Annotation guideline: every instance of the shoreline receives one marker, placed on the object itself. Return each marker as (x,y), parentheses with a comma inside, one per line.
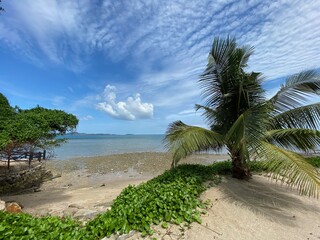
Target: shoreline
(145,162)
(254,209)
(92,183)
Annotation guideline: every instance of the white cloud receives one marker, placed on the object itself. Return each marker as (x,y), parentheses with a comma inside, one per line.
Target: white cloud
(87,118)
(173,87)
(132,109)
(185,114)
(168,41)
(284,33)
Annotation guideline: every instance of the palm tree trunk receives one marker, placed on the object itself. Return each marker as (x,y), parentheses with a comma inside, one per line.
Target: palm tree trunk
(239,169)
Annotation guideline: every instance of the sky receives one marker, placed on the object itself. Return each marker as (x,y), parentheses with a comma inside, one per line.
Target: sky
(132,66)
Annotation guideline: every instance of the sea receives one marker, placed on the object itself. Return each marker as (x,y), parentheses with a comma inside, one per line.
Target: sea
(89,145)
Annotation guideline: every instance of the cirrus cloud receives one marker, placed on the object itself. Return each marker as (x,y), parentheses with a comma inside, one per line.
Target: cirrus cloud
(87,118)
(131,109)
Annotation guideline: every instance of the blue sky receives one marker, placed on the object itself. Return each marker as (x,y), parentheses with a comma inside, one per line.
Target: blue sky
(132,66)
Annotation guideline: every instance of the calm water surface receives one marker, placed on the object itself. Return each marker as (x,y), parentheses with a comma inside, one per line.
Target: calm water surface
(99,145)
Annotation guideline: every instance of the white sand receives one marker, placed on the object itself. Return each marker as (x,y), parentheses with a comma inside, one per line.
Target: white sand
(257,209)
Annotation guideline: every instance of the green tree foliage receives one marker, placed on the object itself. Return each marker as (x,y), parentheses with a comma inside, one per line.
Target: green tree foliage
(6,111)
(241,119)
(26,130)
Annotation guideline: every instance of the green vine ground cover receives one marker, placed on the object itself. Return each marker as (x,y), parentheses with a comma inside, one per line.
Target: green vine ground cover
(172,197)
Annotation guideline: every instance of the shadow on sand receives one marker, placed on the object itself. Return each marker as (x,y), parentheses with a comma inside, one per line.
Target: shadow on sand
(268,198)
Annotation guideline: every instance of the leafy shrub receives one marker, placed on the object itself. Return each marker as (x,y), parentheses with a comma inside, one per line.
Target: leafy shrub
(25,226)
(170,197)
(222,168)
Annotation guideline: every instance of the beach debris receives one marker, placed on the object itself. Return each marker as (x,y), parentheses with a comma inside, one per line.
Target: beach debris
(13,207)
(102,185)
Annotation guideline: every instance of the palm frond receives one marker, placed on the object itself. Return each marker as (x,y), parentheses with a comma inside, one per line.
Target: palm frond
(208,114)
(248,130)
(294,138)
(296,90)
(291,169)
(302,117)
(221,51)
(253,89)
(211,81)
(225,86)
(246,52)
(182,140)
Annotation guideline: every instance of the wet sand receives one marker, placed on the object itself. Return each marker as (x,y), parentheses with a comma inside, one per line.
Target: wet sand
(93,182)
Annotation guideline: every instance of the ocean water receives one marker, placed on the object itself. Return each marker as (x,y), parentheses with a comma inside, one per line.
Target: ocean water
(100,144)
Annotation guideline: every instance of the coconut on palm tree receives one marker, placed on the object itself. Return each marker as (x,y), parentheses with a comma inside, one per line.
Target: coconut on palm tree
(248,125)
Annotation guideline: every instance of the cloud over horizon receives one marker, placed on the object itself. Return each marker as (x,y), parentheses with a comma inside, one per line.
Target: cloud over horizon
(131,109)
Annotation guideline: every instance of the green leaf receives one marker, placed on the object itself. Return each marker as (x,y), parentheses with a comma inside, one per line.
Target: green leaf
(164,225)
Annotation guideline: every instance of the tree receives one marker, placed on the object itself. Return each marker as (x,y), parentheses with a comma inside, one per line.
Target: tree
(27,130)
(250,126)
(6,111)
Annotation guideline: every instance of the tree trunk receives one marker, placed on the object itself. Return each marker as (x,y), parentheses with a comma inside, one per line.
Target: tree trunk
(239,169)
(8,166)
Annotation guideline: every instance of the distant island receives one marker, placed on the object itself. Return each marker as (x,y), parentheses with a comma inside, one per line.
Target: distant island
(81,134)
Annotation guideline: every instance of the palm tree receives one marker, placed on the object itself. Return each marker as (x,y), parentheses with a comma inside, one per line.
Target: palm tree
(248,125)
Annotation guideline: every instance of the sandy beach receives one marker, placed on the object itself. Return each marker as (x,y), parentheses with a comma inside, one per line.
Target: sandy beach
(255,209)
